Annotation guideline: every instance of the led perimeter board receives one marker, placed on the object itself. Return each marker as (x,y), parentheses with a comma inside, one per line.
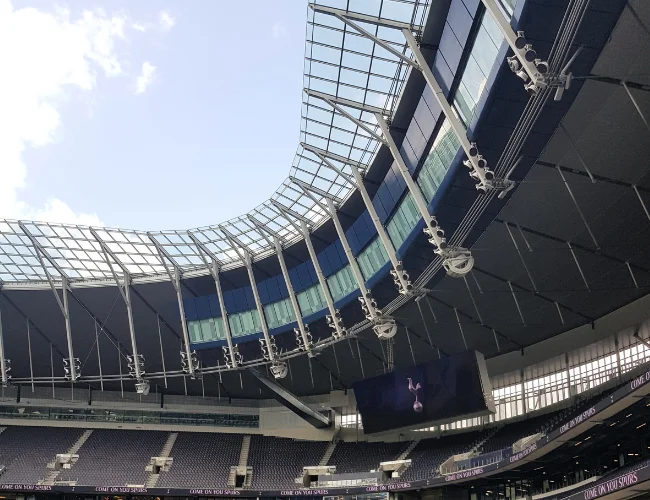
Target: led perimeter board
(442,390)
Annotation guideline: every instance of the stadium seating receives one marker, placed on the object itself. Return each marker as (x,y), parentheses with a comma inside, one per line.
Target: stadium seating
(204,460)
(201,460)
(115,458)
(427,456)
(277,462)
(26,451)
(363,457)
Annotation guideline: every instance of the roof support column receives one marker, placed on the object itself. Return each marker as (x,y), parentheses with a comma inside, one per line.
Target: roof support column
(189,354)
(303,336)
(4,363)
(279,369)
(334,317)
(269,349)
(233,351)
(401,277)
(524,52)
(136,362)
(231,354)
(476,163)
(189,360)
(456,261)
(71,363)
(636,105)
(384,326)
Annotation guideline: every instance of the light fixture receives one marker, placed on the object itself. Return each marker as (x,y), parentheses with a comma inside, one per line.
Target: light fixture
(542,66)
(532,89)
(529,53)
(279,369)
(520,41)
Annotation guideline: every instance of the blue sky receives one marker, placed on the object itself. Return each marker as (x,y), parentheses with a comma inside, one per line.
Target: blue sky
(167,115)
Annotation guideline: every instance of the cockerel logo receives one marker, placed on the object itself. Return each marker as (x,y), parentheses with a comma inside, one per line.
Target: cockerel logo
(417,406)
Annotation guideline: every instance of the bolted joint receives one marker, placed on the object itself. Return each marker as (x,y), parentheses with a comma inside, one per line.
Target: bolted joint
(269,356)
(458,262)
(402,279)
(67,369)
(385,328)
(279,369)
(300,341)
(232,363)
(526,55)
(132,361)
(484,176)
(369,306)
(336,324)
(192,360)
(6,380)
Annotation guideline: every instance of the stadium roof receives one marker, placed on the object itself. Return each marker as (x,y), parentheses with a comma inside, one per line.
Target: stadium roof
(562,252)
(339,61)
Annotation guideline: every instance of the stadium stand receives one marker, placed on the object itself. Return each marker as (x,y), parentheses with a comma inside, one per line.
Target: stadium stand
(277,462)
(363,457)
(115,457)
(427,456)
(201,460)
(26,451)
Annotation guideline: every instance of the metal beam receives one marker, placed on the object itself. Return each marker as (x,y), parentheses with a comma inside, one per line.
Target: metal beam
(575,202)
(334,156)
(270,346)
(332,101)
(245,256)
(335,315)
(291,402)
(303,330)
(63,304)
(480,172)
(512,39)
(636,105)
(125,291)
(3,365)
(365,18)
(354,265)
(401,278)
(434,231)
(175,279)
(235,357)
(344,102)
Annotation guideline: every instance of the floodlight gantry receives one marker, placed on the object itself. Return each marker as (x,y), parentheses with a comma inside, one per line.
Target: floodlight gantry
(125,291)
(231,354)
(279,368)
(334,317)
(383,325)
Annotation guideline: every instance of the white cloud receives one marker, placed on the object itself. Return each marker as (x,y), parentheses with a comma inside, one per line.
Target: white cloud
(278,30)
(166,21)
(140,27)
(145,77)
(46,57)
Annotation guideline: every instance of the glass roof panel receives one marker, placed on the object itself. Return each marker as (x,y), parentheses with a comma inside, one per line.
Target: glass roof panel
(339,61)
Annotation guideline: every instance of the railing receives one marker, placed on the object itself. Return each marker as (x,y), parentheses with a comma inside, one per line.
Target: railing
(129,416)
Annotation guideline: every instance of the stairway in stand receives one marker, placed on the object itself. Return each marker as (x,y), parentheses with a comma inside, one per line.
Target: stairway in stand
(328,453)
(164,453)
(51,476)
(245,448)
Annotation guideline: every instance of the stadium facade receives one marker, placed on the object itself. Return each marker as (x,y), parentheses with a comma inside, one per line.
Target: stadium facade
(470,174)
